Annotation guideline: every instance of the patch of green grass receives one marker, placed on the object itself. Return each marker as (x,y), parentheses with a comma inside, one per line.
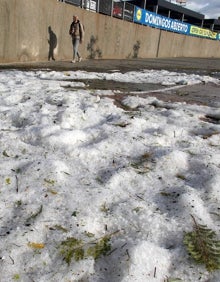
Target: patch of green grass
(77,249)
(16,277)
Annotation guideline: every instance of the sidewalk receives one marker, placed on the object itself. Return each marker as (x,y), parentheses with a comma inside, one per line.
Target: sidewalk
(202,65)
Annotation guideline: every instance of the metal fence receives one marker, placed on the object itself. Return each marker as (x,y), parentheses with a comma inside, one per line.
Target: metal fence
(121,10)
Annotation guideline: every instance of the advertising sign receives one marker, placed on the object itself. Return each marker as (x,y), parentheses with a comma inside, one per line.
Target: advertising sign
(202,32)
(181,1)
(138,15)
(155,20)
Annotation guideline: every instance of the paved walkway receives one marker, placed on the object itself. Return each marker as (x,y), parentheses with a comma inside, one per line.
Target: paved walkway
(202,65)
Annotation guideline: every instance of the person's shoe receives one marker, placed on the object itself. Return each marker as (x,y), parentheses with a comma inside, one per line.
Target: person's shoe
(73,61)
(80,59)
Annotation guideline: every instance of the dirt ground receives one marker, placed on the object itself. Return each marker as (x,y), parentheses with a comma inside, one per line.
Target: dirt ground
(205,94)
(202,94)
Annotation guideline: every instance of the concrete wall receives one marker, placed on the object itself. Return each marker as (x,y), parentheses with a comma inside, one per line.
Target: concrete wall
(27,25)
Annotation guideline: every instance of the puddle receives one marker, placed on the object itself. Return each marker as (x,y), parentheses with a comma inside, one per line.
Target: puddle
(125,87)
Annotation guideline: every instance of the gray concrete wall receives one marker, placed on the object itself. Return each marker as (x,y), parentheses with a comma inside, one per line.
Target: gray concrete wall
(24,35)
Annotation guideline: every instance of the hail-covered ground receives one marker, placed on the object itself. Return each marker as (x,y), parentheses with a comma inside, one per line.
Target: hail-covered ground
(123,183)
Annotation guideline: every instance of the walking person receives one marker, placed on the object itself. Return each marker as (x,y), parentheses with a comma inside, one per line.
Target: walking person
(77,32)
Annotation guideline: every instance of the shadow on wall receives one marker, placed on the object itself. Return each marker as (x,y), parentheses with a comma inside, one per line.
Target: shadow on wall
(52,41)
(93,50)
(136,49)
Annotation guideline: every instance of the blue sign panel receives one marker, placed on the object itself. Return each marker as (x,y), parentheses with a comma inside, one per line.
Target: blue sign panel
(155,20)
(138,15)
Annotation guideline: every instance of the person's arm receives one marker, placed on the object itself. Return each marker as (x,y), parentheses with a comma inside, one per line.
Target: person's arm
(81,32)
(71,30)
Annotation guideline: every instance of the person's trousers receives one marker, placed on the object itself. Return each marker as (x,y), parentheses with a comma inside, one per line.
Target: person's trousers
(76,53)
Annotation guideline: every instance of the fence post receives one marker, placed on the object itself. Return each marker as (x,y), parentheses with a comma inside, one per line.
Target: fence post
(133,13)
(123,12)
(97,8)
(112,8)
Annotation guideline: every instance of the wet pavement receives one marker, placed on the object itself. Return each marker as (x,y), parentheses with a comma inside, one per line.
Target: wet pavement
(200,65)
(205,94)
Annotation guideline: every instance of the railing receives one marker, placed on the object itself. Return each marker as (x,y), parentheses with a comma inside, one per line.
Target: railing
(121,10)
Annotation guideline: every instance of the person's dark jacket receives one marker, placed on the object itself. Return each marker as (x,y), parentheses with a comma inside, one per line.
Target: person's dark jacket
(77,30)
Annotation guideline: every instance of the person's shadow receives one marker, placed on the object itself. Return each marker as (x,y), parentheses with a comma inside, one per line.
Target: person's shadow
(52,41)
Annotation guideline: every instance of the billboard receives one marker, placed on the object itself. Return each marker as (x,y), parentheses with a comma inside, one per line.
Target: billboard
(181,1)
(155,20)
(202,32)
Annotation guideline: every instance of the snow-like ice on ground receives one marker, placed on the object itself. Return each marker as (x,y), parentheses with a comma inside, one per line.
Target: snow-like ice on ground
(74,164)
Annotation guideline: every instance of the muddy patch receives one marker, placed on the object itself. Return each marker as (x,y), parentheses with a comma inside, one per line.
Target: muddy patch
(98,84)
(200,94)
